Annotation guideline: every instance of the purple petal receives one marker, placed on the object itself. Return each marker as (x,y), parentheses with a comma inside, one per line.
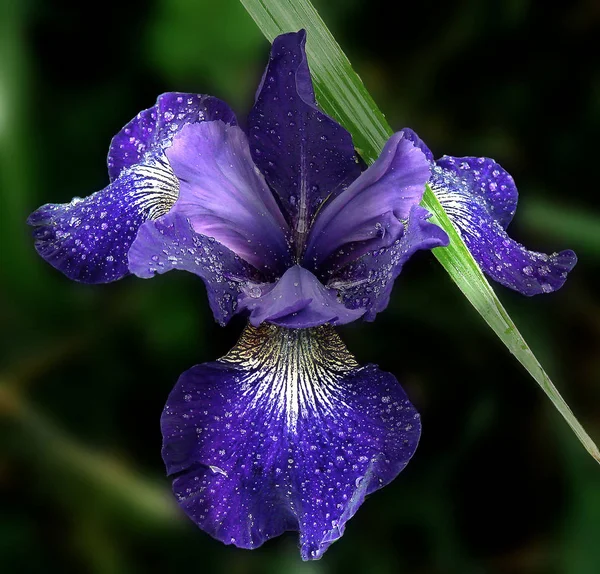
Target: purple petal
(152,130)
(367,283)
(411,135)
(304,155)
(286,432)
(367,215)
(171,243)
(88,239)
(225,197)
(298,300)
(488,181)
(479,221)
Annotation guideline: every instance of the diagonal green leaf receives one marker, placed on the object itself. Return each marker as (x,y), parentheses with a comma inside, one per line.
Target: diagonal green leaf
(341,93)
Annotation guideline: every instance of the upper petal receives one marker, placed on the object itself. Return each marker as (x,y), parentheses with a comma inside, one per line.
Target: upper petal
(304,155)
(479,214)
(286,432)
(88,239)
(367,282)
(152,130)
(224,196)
(297,300)
(367,215)
(171,243)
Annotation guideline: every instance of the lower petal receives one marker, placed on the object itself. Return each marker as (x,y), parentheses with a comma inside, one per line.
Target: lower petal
(286,432)
(502,258)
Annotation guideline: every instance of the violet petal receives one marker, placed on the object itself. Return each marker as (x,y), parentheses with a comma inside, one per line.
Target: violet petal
(360,218)
(152,130)
(88,239)
(479,214)
(224,196)
(367,282)
(304,155)
(297,300)
(286,432)
(171,243)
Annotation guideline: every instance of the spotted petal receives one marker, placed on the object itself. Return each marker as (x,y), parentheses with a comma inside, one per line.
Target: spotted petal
(286,432)
(152,130)
(171,243)
(479,214)
(304,154)
(88,239)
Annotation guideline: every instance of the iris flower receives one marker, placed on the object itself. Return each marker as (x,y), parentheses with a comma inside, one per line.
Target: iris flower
(287,431)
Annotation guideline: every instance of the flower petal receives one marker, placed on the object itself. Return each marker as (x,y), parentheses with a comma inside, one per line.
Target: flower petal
(487,180)
(298,300)
(412,136)
(304,155)
(152,130)
(367,282)
(286,432)
(88,239)
(480,219)
(361,218)
(171,243)
(225,197)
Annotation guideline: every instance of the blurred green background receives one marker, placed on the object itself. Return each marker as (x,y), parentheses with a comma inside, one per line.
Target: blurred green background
(498,484)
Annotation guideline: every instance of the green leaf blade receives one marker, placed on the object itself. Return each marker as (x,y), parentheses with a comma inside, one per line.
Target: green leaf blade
(341,93)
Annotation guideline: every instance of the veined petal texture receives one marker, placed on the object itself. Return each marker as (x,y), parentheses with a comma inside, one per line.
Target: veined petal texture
(286,432)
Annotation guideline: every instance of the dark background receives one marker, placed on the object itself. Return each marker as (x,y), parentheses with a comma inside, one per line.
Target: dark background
(499,484)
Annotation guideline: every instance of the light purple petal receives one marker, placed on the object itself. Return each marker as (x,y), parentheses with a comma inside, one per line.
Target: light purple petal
(225,197)
(152,130)
(488,181)
(171,243)
(88,239)
(304,155)
(367,282)
(367,215)
(502,258)
(298,300)
(286,432)
(412,136)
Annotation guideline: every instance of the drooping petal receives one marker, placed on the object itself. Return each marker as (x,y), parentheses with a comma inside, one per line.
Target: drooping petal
(297,300)
(367,282)
(286,432)
(224,196)
(171,243)
(152,130)
(479,205)
(367,215)
(304,155)
(88,239)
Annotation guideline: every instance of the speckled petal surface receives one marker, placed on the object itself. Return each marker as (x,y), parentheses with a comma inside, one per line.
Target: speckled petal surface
(367,215)
(152,130)
(502,258)
(488,181)
(304,154)
(171,243)
(367,282)
(88,239)
(297,300)
(286,432)
(224,196)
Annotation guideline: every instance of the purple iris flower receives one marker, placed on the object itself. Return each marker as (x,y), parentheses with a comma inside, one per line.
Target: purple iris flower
(480,198)
(287,431)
